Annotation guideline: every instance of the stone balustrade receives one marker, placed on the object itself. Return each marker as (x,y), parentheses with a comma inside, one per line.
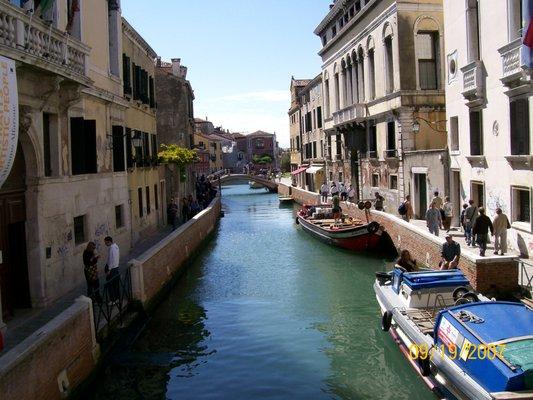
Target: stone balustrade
(349,113)
(34,41)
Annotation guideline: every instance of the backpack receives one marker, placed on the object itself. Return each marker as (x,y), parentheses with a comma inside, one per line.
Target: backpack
(402,209)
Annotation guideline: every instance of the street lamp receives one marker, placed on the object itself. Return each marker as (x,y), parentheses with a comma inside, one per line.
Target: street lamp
(416,126)
(137,140)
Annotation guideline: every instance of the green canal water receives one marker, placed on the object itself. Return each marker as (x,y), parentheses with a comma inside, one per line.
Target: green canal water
(265,312)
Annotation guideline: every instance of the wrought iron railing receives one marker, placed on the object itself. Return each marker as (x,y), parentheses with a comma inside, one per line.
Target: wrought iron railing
(113,301)
(526,280)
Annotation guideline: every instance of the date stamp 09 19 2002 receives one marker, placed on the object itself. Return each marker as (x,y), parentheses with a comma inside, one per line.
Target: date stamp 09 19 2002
(469,351)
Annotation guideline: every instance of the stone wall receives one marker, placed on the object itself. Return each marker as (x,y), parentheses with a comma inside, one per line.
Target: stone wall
(54,360)
(157,266)
(491,275)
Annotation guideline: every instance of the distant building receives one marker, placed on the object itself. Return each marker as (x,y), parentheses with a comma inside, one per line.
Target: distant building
(295,129)
(175,121)
(204,126)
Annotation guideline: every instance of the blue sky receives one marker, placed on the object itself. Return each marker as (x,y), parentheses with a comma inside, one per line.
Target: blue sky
(240,54)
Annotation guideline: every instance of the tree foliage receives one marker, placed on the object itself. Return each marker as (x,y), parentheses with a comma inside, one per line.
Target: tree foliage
(173,154)
(263,159)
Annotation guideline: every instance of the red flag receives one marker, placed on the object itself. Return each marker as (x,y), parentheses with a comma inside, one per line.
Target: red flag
(528,38)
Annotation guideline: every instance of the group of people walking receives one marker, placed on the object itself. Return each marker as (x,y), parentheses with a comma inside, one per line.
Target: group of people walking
(345,192)
(191,205)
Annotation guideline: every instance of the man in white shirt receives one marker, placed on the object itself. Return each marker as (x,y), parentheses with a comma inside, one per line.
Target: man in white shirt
(112,270)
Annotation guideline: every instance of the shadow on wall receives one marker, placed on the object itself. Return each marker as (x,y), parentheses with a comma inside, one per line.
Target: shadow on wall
(522,245)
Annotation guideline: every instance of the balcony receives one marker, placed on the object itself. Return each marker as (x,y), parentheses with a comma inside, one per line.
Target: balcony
(473,83)
(515,73)
(34,42)
(349,114)
(391,157)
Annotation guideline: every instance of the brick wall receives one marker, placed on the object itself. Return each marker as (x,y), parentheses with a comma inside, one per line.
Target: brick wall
(65,347)
(490,275)
(156,267)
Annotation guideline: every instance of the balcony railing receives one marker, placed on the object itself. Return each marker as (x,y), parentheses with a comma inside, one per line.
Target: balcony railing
(513,69)
(33,41)
(473,80)
(371,154)
(349,113)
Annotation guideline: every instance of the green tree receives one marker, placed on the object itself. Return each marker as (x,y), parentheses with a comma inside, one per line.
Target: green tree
(173,154)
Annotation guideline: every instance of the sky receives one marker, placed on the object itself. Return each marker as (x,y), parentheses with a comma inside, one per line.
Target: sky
(240,54)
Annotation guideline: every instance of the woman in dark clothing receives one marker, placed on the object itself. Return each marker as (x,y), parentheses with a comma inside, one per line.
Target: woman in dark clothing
(90,261)
(405,261)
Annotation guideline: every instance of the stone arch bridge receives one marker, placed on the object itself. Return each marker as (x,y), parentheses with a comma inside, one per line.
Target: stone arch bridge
(272,186)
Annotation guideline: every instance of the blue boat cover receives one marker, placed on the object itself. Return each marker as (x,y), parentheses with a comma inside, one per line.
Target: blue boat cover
(424,280)
(484,323)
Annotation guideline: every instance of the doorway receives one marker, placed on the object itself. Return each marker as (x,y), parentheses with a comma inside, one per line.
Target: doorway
(456,197)
(421,203)
(477,190)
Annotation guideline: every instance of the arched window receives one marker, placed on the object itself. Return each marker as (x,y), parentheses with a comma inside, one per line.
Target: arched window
(389,59)
(371,69)
(326,95)
(361,74)
(427,53)
(355,94)
(337,88)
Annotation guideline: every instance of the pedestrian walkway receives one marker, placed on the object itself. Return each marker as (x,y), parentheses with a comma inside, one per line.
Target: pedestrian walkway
(525,275)
(28,321)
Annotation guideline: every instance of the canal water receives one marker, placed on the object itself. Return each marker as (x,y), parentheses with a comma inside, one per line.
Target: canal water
(265,312)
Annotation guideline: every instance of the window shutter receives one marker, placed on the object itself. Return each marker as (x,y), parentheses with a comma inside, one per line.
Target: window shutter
(89,131)
(76,146)
(519,110)
(118,148)
(129,150)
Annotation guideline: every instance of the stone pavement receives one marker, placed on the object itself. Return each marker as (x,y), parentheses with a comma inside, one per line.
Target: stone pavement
(28,321)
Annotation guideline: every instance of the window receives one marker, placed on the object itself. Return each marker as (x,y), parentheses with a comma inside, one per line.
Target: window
(454,133)
(472,30)
(154,146)
(372,141)
(259,144)
(83,146)
(156,197)
(118,148)
(79,230)
(324,40)
(319,117)
(360,76)
(515,19)
(357,6)
(337,93)
(389,67)
(340,177)
(521,204)
(151,93)
(393,182)
(119,216)
(326,100)
(333,31)
(140,200)
(476,133)
(372,74)
(391,139)
(50,145)
(148,210)
(375,180)
(427,43)
(126,70)
(519,126)
(146,148)
(338,142)
(314,150)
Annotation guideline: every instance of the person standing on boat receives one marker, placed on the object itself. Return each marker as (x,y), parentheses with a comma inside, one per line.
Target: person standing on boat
(324,193)
(500,224)
(351,194)
(378,203)
(481,230)
(334,191)
(471,214)
(433,219)
(405,261)
(336,209)
(451,252)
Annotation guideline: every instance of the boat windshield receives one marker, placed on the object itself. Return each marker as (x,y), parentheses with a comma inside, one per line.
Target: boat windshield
(520,354)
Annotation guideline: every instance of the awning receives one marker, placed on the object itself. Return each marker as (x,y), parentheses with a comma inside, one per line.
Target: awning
(299,170)
(313,170)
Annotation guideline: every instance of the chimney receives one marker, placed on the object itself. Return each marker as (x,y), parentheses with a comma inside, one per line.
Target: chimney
(176,63)
(158,63)
(331,6)
(183,72)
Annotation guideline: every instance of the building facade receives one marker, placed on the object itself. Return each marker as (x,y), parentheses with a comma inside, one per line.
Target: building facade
(146,179)
(384,109)
(63,190)
(175,121)
(295,129)
(488,105)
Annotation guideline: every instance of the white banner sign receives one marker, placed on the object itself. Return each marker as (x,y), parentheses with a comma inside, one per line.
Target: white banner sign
(9,117)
